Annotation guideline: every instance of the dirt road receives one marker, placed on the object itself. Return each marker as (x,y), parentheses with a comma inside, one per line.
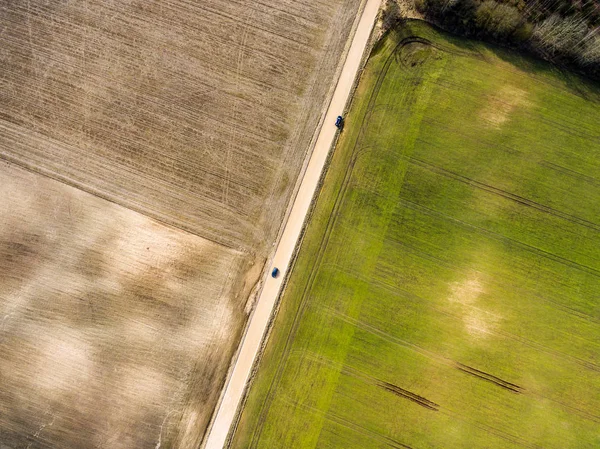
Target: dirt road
(271,288)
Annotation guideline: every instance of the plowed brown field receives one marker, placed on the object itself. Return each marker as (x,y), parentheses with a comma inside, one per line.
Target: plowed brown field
(148,151)
(196,113)
(113,326)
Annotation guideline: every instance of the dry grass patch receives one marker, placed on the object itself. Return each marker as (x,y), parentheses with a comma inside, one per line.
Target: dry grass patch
(501,104)
(467,295)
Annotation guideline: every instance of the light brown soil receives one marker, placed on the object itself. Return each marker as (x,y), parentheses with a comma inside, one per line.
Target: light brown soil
(195,113)
(117,330)
(112,326)
(466,295)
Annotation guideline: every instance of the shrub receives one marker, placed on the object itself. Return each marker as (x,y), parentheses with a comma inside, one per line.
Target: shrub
(421,6)
(497,20)
(391,15)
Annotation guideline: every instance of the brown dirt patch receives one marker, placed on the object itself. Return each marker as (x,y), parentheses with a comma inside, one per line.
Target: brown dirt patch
(116,331)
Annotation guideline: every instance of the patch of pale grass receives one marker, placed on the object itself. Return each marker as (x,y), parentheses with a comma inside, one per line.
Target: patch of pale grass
(501,104)
(467,294)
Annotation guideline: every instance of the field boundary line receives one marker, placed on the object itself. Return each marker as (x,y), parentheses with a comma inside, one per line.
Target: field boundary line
(40,171)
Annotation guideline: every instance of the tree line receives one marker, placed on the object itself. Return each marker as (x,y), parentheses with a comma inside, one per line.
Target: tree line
(562,31)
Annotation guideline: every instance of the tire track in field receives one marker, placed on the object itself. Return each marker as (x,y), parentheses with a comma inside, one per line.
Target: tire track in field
(472,53)
(527,293)
(561,86)
(170,156)
(197,82)
(439,125)
(430,212)
(234,19)
(400,292)
(495,145)
(348,425)
(589,179)
(500,237)
(331,221)
(443,360)
(390,387)
(512,151)
(202,23)
(530,248)
(234,138)
(508,149)
(427,211)
(351,372)
(366,378)
(401,392)
(508,195)
(296,14)
(570,129)
(489,378)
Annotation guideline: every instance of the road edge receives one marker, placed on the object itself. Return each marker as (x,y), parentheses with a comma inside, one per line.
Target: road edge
(213,442)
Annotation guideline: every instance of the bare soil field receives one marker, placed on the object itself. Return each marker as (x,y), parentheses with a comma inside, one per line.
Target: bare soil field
(115,330)
(198,114)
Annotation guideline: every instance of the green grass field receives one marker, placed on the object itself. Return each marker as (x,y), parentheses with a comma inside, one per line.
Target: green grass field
(447,293)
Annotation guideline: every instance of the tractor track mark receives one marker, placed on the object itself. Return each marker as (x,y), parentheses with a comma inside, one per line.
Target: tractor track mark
(575,174)
(335,418)
(540,252)
(508,195)
(436,357)
(489,378)
(401,392)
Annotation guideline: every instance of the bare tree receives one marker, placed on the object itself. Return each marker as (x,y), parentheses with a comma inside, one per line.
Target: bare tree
(560,35)
(590,52)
